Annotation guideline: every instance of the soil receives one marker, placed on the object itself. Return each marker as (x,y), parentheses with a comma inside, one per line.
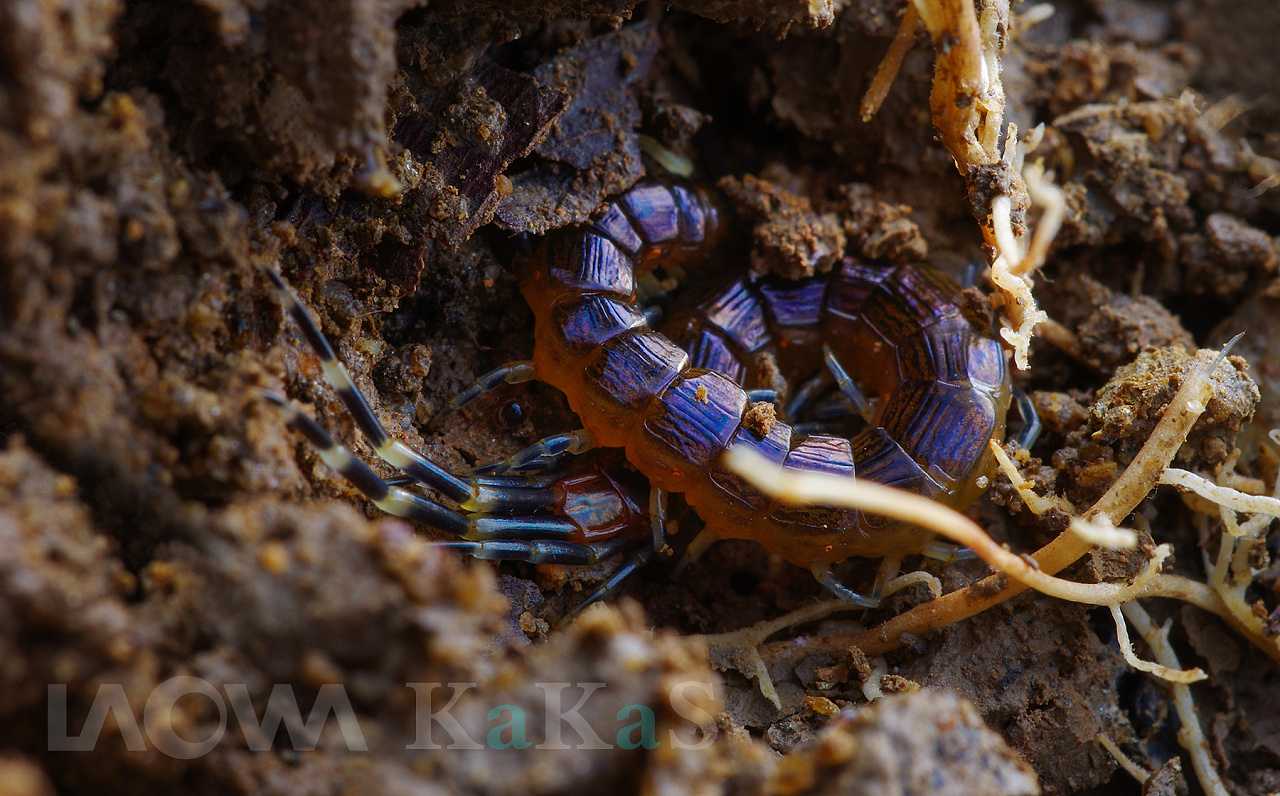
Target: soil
(158,520)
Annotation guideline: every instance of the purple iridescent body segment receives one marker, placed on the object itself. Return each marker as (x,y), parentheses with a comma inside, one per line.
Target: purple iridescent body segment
(900,332)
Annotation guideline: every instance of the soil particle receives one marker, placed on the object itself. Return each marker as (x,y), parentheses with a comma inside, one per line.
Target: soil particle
(1040,677)
(676,125)
(879,230)
(1259,317)
(1113,327)
(1165,173)
(1168,781)
(22,776)
(788,237)
(1130,405)
(59,580)
(293,95)
(926,742)
(1060,412)
(592,152)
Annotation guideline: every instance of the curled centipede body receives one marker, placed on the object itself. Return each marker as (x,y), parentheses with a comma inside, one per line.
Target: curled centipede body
(677,407)
(900,331)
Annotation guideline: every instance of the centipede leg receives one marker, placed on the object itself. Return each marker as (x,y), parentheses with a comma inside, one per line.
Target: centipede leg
(947,553)
(638,559)
(543,455)
(766,394)
(658,518)
(1031,425)
(389,498)
(888,570)
(700,544)
(805,395)
(846,384)
(532,551)
(828,579)
(831,428)
(510,373)
(393,452)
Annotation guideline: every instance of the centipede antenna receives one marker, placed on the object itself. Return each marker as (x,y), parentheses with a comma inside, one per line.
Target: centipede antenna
(393,452)
(828,579)
(1031,425)
(391,499)
(846,384)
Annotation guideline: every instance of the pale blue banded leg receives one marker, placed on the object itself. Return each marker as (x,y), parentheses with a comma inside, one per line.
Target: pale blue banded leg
(510,373)
(828,579)
(543,455)
(638,559)
(1031,425)
(946,552)
(391,499)
(834,428)
(971,274)
(532,551)
(536,539)
(544,527)
(802,397)
(888,570)
(658,518)
(846,385)
(834,406)
(393,452)
(700,544)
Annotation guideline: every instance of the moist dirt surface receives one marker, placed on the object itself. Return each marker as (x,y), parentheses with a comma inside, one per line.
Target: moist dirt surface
(176,564)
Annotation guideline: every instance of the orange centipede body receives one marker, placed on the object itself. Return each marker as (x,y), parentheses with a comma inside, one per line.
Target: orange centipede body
(676,406)
(900,331)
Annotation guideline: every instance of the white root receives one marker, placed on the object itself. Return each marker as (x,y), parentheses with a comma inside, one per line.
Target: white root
(1163,672)
(1099,531)
(820,488)
(1136,771)
(1191,736)
(1225,496)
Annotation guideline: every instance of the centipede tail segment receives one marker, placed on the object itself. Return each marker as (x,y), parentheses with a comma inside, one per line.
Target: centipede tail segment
(900,332)
(583,515)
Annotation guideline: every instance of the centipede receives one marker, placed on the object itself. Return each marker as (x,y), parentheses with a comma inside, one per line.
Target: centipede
(673,399)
